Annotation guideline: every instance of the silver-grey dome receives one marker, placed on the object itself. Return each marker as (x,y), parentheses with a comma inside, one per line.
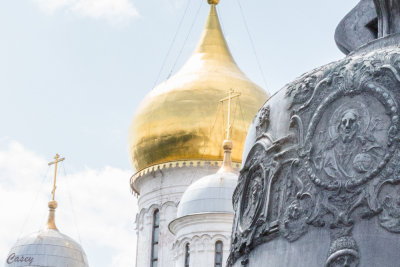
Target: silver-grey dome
(212,193)
(46,248)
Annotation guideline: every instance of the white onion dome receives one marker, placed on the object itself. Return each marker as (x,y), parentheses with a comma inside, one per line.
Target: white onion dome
(212,193)
(47,248)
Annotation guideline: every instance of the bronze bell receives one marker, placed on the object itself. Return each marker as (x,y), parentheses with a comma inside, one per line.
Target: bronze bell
(320,184)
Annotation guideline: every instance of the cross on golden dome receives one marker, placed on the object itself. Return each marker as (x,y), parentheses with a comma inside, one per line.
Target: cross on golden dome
(231,95)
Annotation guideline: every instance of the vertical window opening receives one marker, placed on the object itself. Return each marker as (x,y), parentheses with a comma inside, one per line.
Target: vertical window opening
(218,253)
(187,255)
(154,239)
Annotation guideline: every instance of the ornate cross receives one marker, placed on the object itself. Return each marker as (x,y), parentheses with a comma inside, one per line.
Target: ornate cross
(57,160)
(231,94)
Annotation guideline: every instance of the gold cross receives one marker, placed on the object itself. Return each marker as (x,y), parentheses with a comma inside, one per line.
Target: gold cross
(231,95)
(57,160)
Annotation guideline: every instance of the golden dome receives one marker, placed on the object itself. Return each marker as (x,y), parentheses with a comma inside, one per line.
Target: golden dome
(177,120)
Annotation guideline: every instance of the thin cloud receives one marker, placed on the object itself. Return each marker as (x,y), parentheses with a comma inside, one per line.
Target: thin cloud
(95,206)
(114,11)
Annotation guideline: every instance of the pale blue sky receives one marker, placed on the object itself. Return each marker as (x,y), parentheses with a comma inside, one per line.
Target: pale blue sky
(71,82)
(72,73)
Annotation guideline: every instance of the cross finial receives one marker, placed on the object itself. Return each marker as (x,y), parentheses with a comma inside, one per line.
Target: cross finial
(231,94)
(57,160)
(227,144)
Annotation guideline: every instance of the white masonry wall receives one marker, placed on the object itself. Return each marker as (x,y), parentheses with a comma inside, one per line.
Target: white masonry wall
(201,232)
(162,190)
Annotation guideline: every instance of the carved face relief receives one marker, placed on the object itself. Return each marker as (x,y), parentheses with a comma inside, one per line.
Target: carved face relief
(343,253)
(263,121)
(348,126)
(346,260)
(294,211)
(350,140)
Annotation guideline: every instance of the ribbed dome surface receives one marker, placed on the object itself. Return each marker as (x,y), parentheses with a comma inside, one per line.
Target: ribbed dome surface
(212,193)
(46,248)
(177,120)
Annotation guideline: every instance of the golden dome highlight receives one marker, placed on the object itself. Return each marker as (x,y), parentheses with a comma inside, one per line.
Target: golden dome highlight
(213,2)
(177,119)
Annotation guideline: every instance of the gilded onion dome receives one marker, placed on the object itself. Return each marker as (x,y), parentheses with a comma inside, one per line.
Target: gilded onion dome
(177,119)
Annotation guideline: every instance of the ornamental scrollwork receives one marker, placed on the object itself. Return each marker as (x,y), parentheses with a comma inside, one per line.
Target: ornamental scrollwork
(337,164)
(294,221)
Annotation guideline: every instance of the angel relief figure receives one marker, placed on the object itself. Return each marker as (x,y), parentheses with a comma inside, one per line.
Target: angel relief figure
(350,149)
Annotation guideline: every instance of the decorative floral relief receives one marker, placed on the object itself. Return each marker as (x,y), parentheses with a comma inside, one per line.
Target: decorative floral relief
(294,221)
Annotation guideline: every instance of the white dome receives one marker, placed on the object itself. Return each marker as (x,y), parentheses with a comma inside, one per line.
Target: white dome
(46,248)
(212,193)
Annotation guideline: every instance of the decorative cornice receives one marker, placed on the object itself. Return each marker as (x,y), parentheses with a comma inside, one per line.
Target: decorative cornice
(197,218)
(176,164)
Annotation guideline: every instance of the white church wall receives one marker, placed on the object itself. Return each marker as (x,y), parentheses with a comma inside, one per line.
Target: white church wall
(201,232)
(144,230)
(162,190)
(168,212)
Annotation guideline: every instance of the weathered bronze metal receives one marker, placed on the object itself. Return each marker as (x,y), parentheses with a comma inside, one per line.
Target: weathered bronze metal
(369,20)
(320,184)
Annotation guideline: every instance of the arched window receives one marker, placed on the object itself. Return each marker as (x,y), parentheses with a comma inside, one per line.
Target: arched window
(218,253)
(187,255)
(154,239)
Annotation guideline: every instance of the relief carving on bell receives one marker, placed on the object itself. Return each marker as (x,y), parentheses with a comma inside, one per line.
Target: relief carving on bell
(336,165)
